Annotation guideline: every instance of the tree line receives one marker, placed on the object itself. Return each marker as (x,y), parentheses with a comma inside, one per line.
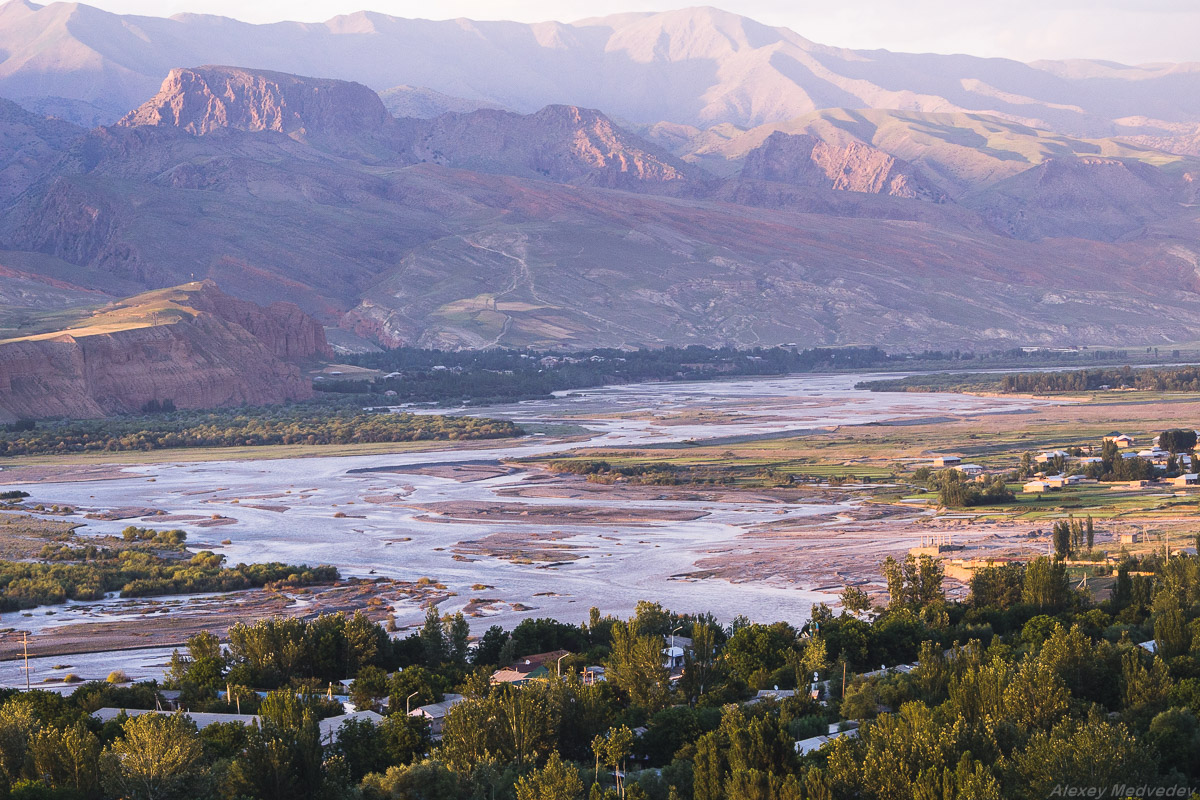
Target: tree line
(306,424)
(1158,379)
(1026,684)
(416,375)
(89,572)
(499,375)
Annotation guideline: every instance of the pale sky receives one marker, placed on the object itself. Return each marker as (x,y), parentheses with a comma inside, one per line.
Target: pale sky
(1129,31)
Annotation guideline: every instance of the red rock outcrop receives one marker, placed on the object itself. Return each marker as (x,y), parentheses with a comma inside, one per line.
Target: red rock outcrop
(804,160)
(567,144)
(214,351)
(288,332)
(203,99)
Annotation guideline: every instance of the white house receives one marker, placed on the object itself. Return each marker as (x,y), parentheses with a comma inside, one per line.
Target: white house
(202,719)
(436,712)
(947,461)
(1059,481)
(806,746)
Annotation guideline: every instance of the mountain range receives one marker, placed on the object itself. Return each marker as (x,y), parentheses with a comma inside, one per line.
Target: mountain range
(645,179)
(697,66)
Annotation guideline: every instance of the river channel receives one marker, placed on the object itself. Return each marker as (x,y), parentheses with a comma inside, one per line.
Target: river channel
(388,528)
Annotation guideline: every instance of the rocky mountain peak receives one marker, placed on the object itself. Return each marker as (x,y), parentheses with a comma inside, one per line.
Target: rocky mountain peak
(203,99)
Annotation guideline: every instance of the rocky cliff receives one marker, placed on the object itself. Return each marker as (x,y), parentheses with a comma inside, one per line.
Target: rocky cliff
(560,143)
(803,160)
(192,345)
(203,99)
(341,116)
(566,144)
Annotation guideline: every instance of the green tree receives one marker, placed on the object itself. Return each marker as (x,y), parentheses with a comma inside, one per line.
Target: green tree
(404,738)
(1061,534)
(855,600)
(555,781)
(618,747)
(1172,636)
(1177,441)
(1174,736)
(426,780)
(997,586)
(458,634)
(915,582)
(433,638)
(413,679)
(158,756)
(759,650)
(527,719)
(18,724)
(635,666)
(360,744)
(1046,584)
(368,687)
(699,662)
(67,758)
(1083,754)
(468,733)
(282,759)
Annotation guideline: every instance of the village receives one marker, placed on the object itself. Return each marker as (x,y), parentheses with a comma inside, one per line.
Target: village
(1055,481)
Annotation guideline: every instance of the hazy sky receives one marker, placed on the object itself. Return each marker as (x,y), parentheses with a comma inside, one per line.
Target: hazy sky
(1130,31)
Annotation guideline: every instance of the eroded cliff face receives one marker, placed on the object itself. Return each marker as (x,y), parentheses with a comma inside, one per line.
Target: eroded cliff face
(286,331)
(204,99)
(804,160)
(566,144)
(214,351)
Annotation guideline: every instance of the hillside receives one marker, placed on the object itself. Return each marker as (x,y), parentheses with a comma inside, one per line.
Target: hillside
(960,152)
(561,143)
(565,144)
(192,345)
(561,228)
(419,102)
(434,255)
(28,145)
(697,66)
(804,160)
(1089,197)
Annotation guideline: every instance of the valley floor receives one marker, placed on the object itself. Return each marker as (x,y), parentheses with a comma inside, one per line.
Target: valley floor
(486,528)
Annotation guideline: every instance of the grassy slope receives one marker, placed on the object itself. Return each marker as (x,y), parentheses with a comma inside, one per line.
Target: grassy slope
(159,307)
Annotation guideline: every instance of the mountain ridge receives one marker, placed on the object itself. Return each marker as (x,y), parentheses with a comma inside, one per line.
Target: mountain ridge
(561,228)
(699,66)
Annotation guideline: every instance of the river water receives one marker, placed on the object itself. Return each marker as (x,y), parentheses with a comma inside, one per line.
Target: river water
(625,562)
